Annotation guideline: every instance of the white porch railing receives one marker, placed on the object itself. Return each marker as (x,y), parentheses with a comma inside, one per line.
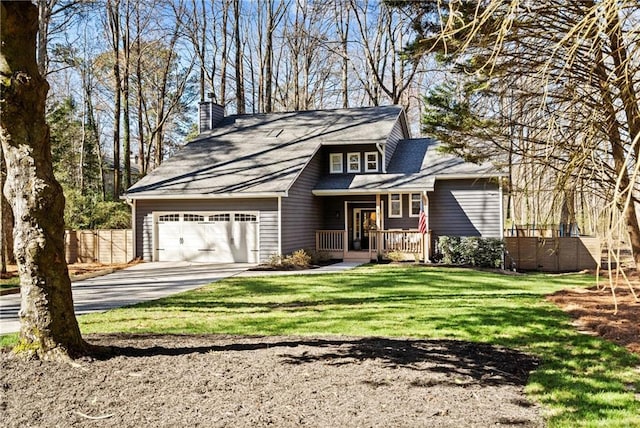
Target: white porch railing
(403,241)
(330,240)
(380,242)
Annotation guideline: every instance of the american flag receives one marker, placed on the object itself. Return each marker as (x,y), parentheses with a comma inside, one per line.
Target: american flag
(422,221)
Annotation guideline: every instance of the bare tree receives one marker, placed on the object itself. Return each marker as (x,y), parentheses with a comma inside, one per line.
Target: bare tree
(387,70)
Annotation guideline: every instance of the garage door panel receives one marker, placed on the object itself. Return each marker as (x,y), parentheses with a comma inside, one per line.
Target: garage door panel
(219,250)
(169,238)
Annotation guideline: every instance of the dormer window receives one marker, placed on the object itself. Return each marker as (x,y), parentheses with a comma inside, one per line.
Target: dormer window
(335,163)
(353,165)
(371,164)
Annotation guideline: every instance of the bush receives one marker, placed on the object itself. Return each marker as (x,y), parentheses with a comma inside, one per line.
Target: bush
(472,251)
(298,260)
(395,256)
(319,257)
(111,215)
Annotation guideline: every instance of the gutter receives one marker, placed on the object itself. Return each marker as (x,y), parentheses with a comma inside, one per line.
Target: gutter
(183,196)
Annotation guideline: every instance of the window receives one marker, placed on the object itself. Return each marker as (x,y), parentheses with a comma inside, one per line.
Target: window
(220,217)
(193,217)
(244,217)
(371,162)
(353,164)
(395,205)
(169,217)
(415,205)
(335,161)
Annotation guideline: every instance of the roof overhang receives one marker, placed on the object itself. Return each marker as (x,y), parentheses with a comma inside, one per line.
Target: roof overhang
(345,192)
(471,176)
(185,196)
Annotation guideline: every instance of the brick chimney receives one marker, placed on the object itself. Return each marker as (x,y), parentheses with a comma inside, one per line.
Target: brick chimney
(210,115)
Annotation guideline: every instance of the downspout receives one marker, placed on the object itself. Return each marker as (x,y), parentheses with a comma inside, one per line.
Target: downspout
(132,204)
(279,225)
(427,243)
(501,208)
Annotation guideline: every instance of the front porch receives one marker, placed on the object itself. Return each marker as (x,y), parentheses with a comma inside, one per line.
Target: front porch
(411,245)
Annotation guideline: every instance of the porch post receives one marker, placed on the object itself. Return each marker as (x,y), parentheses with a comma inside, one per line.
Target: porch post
(345,242)
(379,214)
(426,245)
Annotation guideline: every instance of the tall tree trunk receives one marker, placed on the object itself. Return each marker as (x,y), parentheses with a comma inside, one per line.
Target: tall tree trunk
(126,49)
(240,101)
(223,65)
(113,11)
(45,8)
(619,156)
(142,164)
(49,328)
(268,66)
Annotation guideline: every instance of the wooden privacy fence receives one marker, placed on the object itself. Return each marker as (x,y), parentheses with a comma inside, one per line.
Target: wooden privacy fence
(99,246)
(564,254)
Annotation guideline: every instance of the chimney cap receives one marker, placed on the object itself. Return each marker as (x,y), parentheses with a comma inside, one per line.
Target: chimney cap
(210,95)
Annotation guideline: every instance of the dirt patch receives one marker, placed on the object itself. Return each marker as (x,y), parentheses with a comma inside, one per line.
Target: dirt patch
(277,381)
(593,311)
(77,269)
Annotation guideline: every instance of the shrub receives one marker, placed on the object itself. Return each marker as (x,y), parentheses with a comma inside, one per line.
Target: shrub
(299,259)
(275,260)
(472,251)
(319,257)
(395,256)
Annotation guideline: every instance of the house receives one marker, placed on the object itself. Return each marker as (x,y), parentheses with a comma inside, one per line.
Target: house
(349,182)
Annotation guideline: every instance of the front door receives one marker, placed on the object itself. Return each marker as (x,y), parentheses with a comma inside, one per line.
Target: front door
(364,224)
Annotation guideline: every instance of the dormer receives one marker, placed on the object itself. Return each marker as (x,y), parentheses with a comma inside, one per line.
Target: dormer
(367,153)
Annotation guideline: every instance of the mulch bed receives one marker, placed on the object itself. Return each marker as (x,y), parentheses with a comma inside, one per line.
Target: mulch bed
(593,311)
(215,381)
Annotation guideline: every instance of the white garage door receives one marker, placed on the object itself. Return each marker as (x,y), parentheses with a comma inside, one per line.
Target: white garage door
(217,237)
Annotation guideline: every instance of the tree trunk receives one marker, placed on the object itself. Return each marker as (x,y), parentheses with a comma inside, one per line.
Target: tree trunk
(142,164)
(49,328)
(126,48)
(240,101)
(3,245)
(113,11)
(268,68)
(223,66)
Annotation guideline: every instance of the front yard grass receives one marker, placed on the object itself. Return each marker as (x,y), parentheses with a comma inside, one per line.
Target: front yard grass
(10,283)
(582,381)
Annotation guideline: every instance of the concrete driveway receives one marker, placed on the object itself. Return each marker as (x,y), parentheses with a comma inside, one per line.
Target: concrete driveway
(142,282)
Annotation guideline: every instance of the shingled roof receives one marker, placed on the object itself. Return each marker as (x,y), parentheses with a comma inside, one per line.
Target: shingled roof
(262,154)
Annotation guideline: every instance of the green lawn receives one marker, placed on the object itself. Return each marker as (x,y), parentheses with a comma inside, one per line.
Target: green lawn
(582,381)
(10,283)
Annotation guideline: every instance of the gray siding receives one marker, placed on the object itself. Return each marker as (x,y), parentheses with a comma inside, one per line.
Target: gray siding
(301,211)
(268,209)
(465,208)
(397,133)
